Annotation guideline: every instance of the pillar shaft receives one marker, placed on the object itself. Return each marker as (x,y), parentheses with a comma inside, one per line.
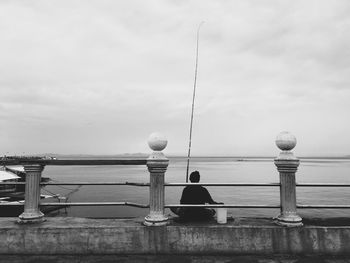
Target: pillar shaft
(32,213)
(287,169)
(157,164)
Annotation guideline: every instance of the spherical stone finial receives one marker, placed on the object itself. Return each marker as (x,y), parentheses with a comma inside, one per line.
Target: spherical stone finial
(286,141)
(157,141)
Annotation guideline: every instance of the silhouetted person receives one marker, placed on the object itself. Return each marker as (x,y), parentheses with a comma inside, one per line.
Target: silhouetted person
(195,195)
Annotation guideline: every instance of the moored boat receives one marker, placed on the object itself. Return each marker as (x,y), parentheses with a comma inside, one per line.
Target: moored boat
(7,177)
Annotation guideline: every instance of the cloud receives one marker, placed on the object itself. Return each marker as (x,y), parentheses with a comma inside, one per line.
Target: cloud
(100,76)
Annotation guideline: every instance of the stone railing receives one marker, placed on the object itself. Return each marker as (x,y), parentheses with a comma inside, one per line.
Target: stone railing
(157,164)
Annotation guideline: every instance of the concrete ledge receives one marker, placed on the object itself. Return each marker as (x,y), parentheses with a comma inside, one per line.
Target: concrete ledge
(129,236)
(174,259)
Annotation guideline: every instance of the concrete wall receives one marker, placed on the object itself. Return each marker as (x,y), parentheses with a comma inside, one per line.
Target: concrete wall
(113,236)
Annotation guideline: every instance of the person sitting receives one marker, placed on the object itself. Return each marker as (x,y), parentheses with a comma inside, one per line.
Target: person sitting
(195,195)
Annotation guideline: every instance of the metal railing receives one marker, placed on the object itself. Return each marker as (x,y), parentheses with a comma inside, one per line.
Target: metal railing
(157,164)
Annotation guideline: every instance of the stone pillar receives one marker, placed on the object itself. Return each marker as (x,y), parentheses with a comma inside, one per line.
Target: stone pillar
(32,212)
(157,164)
(287,165)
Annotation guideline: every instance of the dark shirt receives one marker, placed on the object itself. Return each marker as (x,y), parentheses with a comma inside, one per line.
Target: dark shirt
(196,195)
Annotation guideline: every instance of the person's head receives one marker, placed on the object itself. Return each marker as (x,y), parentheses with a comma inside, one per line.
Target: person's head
(195,177)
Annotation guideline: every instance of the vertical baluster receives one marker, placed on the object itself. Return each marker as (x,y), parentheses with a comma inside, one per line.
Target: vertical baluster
(157,164)
(32,213)
(287,165)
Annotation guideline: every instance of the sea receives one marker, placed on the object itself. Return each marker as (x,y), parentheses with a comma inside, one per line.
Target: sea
(212,170)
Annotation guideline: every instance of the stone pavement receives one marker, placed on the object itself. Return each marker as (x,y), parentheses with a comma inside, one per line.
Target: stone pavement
(173,259)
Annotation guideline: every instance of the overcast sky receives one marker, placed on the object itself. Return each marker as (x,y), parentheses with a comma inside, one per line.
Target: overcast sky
(98,77)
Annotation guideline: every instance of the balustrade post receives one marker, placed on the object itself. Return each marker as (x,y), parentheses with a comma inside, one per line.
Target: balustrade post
(32,213)
(157,164)
(287,165)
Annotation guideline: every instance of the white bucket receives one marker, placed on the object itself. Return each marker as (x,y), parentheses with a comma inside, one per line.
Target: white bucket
(221,215)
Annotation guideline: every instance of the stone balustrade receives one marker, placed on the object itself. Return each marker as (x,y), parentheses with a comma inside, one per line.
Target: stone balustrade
(157,164)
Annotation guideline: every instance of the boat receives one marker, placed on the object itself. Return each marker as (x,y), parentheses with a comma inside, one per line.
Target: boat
(7,177)
(16,205)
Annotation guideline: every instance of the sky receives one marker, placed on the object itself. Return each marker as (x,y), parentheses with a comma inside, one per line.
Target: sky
(98,77)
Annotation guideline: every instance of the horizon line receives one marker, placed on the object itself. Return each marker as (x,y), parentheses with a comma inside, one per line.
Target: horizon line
(343,156)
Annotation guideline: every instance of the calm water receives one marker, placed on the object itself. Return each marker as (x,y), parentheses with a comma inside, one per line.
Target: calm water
(213,170)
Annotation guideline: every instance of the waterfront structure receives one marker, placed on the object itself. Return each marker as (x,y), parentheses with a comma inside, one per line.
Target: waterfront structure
(157,233)
(157,164)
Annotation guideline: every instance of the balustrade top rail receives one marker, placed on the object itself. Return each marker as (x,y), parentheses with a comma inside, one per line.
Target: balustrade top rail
(186,184)
(84,162)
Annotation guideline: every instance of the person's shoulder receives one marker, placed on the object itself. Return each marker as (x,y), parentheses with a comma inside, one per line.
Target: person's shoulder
(185,189)
(188,188)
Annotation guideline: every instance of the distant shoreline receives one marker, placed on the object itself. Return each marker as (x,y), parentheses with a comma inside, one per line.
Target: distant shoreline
(144,155)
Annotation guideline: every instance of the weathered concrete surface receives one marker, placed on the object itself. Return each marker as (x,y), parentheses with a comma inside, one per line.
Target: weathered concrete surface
(129,236)
(173,259)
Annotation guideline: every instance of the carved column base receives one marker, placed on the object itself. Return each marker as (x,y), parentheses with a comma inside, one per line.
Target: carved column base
(31,217)
(289,220)
(156,220)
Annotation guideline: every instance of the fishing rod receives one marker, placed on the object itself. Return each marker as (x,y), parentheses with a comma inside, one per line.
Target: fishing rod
(193,97)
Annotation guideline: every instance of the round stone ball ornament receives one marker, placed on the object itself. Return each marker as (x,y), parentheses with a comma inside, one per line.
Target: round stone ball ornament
(286,141)
(157,141)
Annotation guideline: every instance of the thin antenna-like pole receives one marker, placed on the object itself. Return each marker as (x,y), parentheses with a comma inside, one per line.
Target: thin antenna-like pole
(193,97)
